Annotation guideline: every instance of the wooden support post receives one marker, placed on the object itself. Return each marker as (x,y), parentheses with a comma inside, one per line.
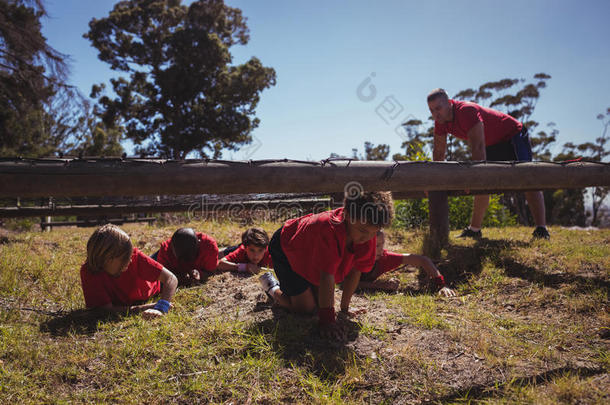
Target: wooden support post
(438,204)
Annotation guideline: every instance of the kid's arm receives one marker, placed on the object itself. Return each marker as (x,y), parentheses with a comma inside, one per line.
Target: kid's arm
(349,286)
(431,270)
(326,293)
(170,283)
(421,262)
(225,265)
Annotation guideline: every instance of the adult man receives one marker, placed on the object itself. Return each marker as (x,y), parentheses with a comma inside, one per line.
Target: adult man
(493,136)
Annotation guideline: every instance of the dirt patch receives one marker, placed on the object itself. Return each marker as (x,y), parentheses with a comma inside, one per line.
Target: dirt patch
(404,362)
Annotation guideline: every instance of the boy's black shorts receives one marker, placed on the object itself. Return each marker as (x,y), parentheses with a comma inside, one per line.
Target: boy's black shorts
(291,283)
(371,275)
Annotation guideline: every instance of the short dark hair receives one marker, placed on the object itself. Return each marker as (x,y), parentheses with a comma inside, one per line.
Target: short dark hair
(185,244)
(373,207)
(255,236)
(437,93)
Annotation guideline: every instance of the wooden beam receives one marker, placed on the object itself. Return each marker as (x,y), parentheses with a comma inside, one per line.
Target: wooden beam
(111,177)
(438,205)
(96,222)
(200,207)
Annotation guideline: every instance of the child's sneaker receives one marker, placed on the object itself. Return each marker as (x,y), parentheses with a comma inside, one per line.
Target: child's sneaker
(269,283)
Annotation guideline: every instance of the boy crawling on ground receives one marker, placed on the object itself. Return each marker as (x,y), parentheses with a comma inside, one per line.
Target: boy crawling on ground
(250,256)
(189,255)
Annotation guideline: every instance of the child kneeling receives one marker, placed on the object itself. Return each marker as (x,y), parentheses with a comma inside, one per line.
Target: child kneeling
(312,253)
(116,276)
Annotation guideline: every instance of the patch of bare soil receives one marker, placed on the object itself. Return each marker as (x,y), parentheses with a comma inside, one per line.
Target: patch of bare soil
(402,363)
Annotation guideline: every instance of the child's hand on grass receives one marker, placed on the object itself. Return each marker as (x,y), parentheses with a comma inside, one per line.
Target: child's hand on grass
(447,292)
(353,313)
(151,314)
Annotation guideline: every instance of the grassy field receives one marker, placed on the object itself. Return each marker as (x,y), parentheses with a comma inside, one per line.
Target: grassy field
(530,325)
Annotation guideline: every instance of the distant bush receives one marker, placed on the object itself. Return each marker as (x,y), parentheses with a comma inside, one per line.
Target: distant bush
(415,214)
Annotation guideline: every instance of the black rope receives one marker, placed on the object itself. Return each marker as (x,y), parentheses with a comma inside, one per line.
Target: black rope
(252,163)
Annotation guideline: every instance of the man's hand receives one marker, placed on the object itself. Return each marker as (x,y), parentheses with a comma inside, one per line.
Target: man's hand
(447,292)
(151,314)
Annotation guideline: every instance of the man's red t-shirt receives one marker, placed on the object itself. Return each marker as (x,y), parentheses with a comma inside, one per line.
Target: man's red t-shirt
(316,242)
(239,255)
(207,258)
(498,127)
(388,262)
(138,283)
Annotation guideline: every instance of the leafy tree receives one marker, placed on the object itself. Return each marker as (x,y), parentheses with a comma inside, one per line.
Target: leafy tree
(182,94)
(32,84)
(371,152)
(379,152)
(95,138)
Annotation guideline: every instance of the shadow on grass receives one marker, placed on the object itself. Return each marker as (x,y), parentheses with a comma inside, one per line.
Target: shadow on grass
(79,322)
(296,338)
(481,392)
(464,261)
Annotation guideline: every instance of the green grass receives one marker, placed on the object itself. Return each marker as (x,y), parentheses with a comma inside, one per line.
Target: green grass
(529,326)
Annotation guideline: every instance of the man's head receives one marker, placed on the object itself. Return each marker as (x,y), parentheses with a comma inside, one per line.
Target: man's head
(439,105)
(366,213)
(109,249)
(255,240)
(185,245)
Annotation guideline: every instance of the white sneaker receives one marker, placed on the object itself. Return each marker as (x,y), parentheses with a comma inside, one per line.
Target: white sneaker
(268,281)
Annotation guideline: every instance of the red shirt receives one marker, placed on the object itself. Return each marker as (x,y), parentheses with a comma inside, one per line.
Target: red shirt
(239,255)
(388,262)
(207,258)
(498,127)
(138,283)
(316,242)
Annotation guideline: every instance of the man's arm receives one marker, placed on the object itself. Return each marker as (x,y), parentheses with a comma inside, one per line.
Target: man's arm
(476,138)
(440,147)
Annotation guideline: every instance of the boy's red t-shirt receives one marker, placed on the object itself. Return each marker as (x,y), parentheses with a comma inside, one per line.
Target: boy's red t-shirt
(138,283)
(207,258)
(388,262)
(239,255)
(316,242)
(498,127)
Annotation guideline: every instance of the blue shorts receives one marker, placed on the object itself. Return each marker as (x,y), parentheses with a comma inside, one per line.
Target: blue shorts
(518,148)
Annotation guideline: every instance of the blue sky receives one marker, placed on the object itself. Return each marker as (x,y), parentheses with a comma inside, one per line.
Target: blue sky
(323,51)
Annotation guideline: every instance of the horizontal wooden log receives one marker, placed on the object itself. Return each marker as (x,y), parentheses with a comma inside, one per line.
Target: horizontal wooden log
(35,178)
(200,207)
(93,222)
